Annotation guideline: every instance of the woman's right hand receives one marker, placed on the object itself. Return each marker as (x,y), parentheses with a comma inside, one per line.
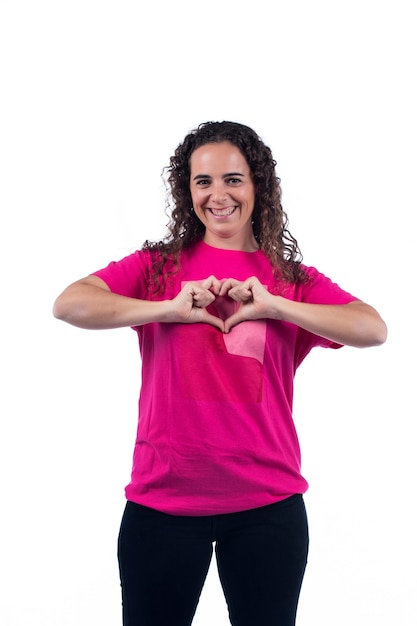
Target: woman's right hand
(190,305)
(89,303)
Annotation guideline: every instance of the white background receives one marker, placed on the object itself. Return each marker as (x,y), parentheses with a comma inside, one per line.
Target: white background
(95,96)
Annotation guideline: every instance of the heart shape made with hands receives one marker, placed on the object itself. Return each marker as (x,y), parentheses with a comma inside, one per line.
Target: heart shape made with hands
(222,307)
(232,301)
(238,296)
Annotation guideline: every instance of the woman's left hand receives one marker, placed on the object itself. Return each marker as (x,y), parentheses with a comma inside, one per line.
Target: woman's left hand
(353,324)
(255,300)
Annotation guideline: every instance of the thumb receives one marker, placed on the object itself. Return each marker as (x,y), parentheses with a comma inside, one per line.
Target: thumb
(233,320)
(214,321)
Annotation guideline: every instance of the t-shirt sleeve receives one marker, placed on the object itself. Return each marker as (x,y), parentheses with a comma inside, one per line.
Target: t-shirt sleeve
(321,290)
(129,276)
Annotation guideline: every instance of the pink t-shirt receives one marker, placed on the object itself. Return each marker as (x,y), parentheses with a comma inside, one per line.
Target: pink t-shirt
(215,431)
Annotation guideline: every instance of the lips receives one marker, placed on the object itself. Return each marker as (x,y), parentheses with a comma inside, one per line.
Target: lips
(223,212)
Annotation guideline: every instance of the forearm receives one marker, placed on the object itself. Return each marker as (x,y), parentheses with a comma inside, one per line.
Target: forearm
(355,324)
(87,305)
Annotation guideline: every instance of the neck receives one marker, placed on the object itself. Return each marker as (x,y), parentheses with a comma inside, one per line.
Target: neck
(229,243)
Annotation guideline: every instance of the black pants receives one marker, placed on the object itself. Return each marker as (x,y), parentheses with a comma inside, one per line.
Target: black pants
(261,557)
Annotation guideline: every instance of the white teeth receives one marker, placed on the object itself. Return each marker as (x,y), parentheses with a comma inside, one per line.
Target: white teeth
(223,212)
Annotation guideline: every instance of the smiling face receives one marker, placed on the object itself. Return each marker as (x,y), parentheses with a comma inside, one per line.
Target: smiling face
(223,196)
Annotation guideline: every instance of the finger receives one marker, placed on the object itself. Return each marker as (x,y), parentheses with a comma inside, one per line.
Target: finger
(213,284)
(214,321)
(240,294)
(232,321)
(227,285)
(202,297)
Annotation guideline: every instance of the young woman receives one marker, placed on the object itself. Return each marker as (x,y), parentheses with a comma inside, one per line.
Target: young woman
(225,312)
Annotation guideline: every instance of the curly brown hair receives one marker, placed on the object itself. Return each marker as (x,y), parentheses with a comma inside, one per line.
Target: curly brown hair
(269,220)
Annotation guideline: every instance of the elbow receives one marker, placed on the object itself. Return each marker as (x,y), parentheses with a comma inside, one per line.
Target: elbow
(369,327)
(61,311)
(375,336)
(381,334)
(58,310)
(67,311)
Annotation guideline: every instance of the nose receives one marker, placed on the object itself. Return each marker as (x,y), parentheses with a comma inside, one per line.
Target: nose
(218,192)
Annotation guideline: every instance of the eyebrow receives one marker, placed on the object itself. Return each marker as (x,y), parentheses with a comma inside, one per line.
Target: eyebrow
(224,175)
